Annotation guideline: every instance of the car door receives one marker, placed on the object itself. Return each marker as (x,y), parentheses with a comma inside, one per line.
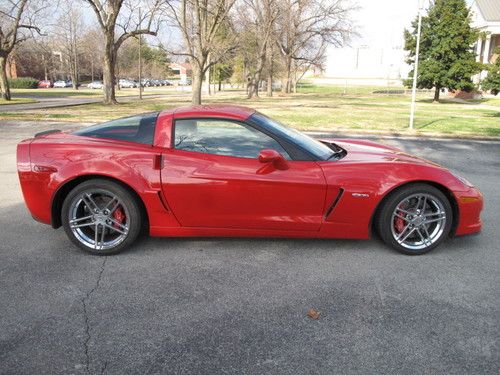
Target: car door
(212,178)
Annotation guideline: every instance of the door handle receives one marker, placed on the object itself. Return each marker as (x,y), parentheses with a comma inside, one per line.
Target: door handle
(158,162)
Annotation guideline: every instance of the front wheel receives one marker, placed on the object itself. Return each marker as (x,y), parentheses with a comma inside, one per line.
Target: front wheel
(101,217)
(415,219)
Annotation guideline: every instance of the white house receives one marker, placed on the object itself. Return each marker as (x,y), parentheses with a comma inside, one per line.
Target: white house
(486,17)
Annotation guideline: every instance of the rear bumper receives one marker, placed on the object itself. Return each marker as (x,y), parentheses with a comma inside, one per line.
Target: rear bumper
(470,205)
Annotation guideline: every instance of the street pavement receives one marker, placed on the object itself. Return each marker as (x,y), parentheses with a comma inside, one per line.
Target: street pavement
(216,306)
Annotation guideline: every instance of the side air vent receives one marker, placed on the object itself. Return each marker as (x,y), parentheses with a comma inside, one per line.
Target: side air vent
(334,203)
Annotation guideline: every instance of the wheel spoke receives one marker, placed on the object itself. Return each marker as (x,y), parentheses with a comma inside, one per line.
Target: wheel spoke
(428,236)
(96,235)
(77,220)
(74,226)
(114,203)
(423,204)
(103,232)
(407,235)
(424,240)
(89,202)
(434,220)
(419,200)
(115,229)
(402,217)
(431,214)
(402,236)
(403,211)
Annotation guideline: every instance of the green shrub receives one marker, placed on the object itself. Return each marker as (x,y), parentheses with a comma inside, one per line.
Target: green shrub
(23,83)
(492,81)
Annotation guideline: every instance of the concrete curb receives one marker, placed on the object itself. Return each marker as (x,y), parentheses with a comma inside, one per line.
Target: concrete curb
(393,135)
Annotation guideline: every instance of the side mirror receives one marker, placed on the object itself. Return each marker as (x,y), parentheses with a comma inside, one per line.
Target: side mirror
(274,157)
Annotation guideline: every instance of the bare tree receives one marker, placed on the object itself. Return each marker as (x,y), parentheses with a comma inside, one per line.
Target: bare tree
(270,67)
(205,29)
(68,36)
(310,22)
(16,25)
(113,15)
(258,18)
(92,47)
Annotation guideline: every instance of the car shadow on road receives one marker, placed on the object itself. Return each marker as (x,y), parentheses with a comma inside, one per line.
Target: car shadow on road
(21,230)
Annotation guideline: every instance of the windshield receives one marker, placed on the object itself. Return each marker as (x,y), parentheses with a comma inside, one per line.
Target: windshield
(318,149)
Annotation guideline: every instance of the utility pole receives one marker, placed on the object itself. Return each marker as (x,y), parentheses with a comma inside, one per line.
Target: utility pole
(415,71)
(140,57)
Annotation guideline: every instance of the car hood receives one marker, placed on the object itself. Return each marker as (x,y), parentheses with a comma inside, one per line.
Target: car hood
(362,151)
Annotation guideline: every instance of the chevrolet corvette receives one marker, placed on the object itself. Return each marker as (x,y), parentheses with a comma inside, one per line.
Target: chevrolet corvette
(230,171)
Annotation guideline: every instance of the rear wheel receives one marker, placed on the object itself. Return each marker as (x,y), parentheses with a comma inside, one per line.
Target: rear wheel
(101,217)
(415,219)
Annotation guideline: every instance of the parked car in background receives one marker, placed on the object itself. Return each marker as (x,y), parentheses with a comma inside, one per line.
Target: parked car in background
(62,84)
(146,82)
(45,84)
(127,83)
(166,83)
(95,85)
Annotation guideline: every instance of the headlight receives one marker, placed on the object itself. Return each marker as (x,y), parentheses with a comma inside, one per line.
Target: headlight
(463,180)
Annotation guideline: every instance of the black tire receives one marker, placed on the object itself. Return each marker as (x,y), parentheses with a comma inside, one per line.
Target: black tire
(384,220)
(126,202)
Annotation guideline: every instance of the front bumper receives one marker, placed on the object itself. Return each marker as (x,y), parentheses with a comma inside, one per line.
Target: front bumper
(470,205)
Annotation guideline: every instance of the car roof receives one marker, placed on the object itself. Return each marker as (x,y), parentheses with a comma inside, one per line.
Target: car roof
(214,110)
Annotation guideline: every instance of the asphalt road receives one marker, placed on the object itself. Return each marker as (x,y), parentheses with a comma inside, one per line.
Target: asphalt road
(211,306)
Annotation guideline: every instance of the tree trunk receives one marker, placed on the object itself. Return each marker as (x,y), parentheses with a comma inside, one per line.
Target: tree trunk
(253,85)
(269,54)
(74,73)
(288,82)
(208,78)
(197,84)
(108,72)
(436,93)
(220,83)
(4,84)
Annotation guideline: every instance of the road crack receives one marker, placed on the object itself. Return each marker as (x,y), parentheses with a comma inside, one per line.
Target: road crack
(84,301)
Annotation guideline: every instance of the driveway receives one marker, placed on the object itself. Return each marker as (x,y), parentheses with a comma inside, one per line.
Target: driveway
(211,306)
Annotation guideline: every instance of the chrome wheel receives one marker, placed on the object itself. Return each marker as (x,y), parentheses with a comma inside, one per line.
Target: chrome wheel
(418,221)
(98,219)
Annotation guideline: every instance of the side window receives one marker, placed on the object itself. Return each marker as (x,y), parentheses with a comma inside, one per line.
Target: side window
(139,129)
(223,137)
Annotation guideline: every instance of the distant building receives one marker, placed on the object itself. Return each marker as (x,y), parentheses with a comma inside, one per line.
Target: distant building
(367,64)
(486,17)
(182,71)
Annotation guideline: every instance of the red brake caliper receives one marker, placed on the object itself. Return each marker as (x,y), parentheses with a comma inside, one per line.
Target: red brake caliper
(119,216)
(400,223)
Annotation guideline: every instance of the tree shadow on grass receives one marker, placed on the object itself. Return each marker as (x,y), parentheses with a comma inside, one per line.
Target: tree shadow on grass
(429,123)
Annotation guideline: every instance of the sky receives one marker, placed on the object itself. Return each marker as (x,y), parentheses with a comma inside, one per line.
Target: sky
(380,23)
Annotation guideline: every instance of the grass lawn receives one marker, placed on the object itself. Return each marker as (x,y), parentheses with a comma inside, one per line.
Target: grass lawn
(318,108)
(16,101)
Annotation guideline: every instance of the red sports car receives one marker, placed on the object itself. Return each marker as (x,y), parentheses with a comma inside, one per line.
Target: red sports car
(231,171)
